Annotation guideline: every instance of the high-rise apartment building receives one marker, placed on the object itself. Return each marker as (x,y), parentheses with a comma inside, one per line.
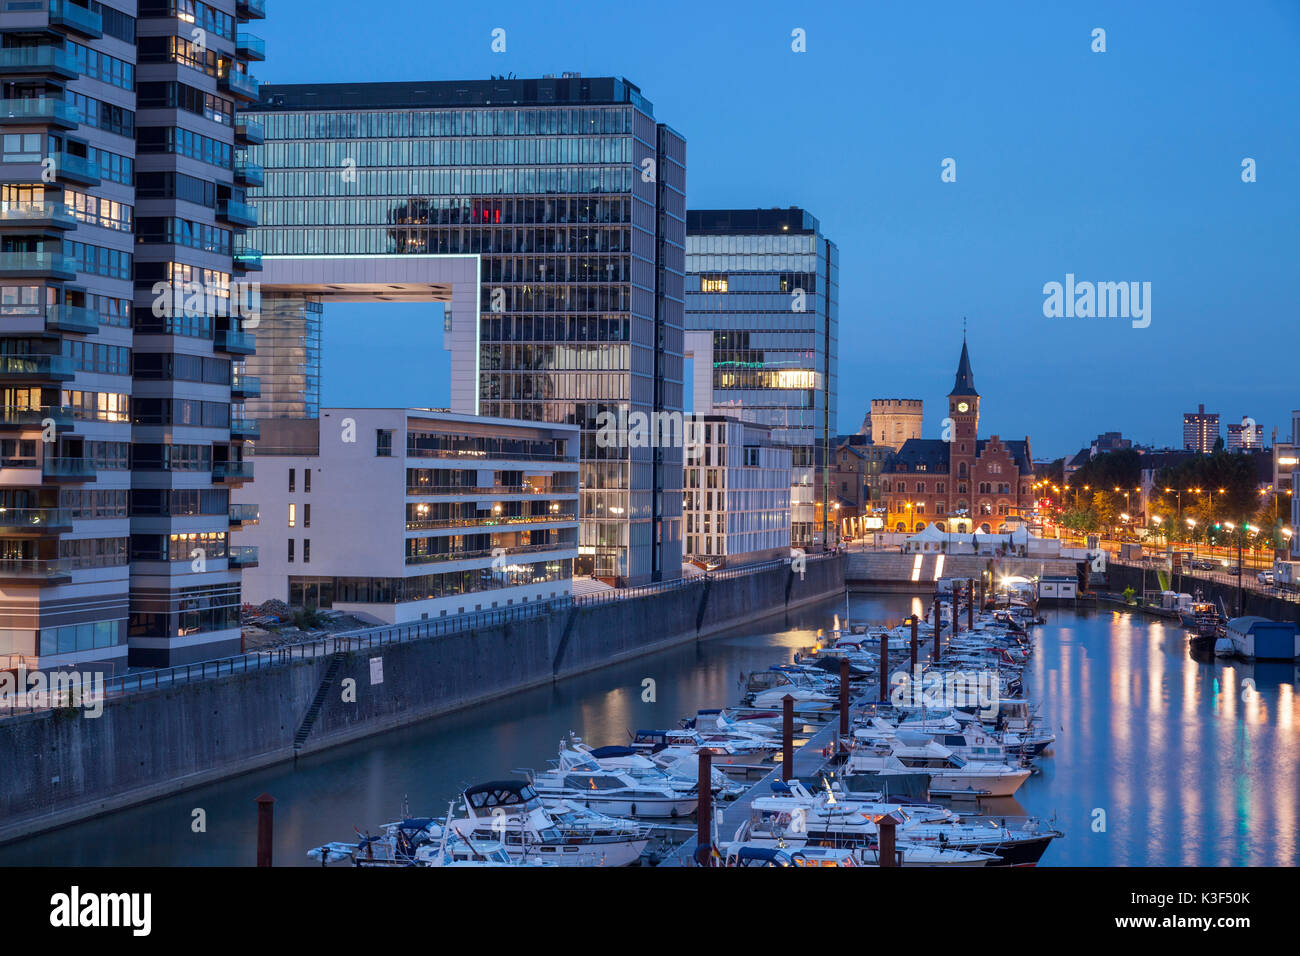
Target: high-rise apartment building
(762,320)
(120,184)
(1200,430)
(572,195)
(1245,436)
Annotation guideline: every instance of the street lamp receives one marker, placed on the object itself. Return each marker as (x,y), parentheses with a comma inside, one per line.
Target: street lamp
(1191,524)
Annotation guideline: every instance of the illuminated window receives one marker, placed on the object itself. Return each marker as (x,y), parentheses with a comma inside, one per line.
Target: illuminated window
(713,283)
(292,512)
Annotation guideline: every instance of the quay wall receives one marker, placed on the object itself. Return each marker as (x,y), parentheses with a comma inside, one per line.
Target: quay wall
(61,766)
(892,570)
(1121,576)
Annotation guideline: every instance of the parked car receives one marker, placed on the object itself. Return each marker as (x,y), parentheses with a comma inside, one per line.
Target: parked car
(1266,577)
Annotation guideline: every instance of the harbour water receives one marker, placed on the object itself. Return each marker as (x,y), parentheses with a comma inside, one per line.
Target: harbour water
(1160,760)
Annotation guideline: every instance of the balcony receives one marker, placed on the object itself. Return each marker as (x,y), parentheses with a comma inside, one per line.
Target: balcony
(33,571)
(232,472)
(38,61)
(38,368)
(75,18)
(236,213)
(239,84)
(250,46)
(249,132)
(31,522)
(36,216)
(245,428)
(77,169)
(70,469)
(243,556)
(236,343)
(247,260)
(250,174)
(17,112)
(23,417)
(245,386)
(250,9)
(243,515)
(71,318)
(37,265)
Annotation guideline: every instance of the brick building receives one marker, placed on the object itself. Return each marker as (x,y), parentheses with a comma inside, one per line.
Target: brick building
(960,482)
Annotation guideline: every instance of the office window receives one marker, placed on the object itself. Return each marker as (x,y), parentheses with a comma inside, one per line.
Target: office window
(306,550)
(291,550)
(292,514)
(383,443)
(291,477)
(306,516)
(306,481)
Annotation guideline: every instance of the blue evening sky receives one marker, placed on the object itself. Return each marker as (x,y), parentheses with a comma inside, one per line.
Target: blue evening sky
(1115,166)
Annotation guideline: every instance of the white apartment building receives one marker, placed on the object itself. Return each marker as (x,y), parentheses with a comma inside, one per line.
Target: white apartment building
(401,514)
(736,499)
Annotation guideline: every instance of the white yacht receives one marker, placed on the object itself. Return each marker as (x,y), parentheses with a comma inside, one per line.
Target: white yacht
(510,813)
(950,775)
(614,792)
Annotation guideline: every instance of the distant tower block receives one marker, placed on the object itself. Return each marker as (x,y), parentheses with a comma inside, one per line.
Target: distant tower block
(895,420)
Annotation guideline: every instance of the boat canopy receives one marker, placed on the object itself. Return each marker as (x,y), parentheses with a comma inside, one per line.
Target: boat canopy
(601,753)
(500,793)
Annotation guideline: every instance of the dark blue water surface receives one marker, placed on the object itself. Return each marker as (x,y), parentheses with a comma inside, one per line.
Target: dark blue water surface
(1190,762)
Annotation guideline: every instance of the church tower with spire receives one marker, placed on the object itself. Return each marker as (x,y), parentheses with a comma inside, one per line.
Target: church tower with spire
(963,431)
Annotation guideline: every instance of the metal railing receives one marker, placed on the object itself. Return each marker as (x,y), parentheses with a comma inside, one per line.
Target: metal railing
(1249,582)
(368,639)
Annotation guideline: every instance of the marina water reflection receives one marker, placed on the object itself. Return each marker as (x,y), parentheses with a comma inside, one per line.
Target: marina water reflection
(1161,760)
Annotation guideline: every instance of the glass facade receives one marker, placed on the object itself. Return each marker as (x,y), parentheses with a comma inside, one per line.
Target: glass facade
(574,197)
(764,284)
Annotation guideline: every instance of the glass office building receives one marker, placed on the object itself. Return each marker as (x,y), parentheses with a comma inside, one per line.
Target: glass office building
(762,298)
(574,197)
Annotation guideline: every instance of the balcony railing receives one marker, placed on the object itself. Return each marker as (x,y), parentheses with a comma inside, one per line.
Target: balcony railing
(35,570)
(71,318)
(432,524)
(37,214)
(249,173)
(248,260)
(83,21)
(241,214)
(465,555)
(250,46)
(244,428)
(37,264)
(18,367)
(232,471)
(239,84)
(39,59)
(243,514)
(246,386)
(18,520)
(243,556)
(24,416)
(18,111)
(250,9)
(77,168)
(237,343)
(488,490)
(250,131)
(76,468)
